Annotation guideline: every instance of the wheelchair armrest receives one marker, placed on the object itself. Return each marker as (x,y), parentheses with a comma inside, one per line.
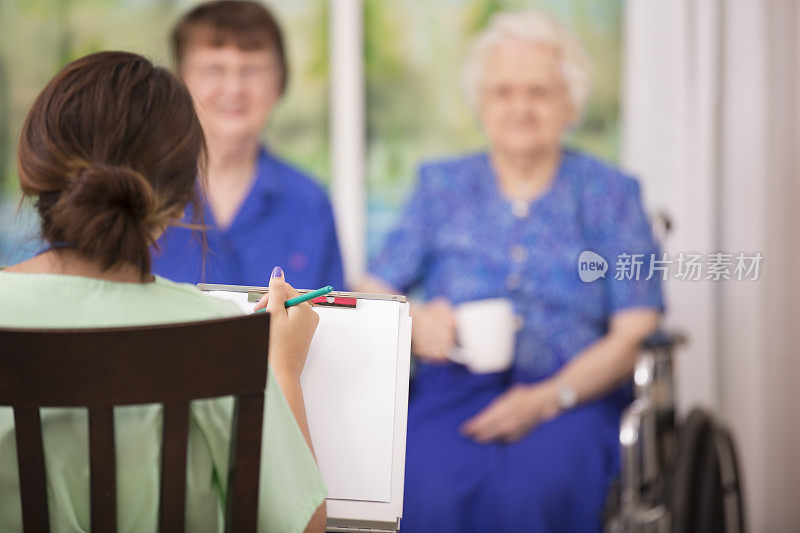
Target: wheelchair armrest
(663,339)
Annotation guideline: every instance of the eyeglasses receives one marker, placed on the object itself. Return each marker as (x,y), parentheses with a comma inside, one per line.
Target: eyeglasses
(218,73)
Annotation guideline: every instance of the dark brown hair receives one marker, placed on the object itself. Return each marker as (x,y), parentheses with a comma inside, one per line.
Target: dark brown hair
(245,24)
(111,147)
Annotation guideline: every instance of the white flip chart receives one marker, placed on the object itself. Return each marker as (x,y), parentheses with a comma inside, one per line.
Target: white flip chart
(349,388)
(350,385)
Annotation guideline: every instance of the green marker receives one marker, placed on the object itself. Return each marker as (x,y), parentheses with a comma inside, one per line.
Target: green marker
(310,295)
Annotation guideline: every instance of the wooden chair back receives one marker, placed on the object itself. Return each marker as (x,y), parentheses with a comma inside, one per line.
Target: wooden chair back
(169,364)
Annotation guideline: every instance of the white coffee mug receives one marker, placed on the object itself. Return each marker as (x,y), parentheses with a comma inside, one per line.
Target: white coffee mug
(486,331)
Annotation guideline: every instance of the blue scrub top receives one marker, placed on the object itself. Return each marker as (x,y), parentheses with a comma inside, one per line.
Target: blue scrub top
(286,220)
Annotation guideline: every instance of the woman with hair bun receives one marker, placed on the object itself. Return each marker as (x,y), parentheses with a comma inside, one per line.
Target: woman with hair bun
(111,150)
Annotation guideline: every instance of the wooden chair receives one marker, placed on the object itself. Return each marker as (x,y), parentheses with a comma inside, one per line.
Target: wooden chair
(168,364)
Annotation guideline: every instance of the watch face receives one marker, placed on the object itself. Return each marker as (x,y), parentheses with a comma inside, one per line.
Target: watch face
(567,397)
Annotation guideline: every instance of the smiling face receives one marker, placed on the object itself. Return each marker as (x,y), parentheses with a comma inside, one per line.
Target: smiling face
(234,90)
(523,103)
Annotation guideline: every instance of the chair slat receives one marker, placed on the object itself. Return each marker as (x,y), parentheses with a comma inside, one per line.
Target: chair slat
(173,467)
(30,459)
(245,461)
(102,468)
(170,364)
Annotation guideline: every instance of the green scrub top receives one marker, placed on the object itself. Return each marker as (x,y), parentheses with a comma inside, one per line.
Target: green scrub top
(291,484)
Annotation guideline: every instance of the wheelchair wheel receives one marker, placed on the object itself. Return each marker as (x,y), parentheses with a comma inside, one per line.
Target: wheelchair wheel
(706,492)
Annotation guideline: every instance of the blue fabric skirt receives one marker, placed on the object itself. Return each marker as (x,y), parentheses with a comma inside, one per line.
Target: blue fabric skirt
(552,480)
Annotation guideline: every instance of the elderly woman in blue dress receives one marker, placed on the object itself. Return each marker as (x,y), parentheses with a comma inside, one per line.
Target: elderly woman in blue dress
(532,448)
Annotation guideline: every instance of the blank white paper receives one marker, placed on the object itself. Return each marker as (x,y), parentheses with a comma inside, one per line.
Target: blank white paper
(349,390)
(349,387)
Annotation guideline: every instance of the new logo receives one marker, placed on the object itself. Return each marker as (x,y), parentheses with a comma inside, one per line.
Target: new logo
(591,266)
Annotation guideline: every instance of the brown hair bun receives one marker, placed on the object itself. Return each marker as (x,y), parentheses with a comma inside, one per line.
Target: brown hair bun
(112,148)
(107,212)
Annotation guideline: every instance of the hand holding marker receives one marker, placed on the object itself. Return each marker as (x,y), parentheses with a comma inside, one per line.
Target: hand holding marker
(310,295)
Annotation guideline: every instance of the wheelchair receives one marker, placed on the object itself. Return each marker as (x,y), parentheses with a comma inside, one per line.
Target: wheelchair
(675,476)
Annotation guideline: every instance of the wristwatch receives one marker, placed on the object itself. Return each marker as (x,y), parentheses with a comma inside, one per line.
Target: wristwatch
(567,396)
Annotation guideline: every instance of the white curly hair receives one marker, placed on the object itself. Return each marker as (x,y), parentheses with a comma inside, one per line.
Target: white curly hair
(529,26)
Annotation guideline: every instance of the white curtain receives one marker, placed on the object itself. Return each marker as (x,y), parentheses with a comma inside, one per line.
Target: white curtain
(712,127)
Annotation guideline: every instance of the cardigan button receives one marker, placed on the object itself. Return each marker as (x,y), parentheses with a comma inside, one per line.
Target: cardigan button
(519,253)
(520,208)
